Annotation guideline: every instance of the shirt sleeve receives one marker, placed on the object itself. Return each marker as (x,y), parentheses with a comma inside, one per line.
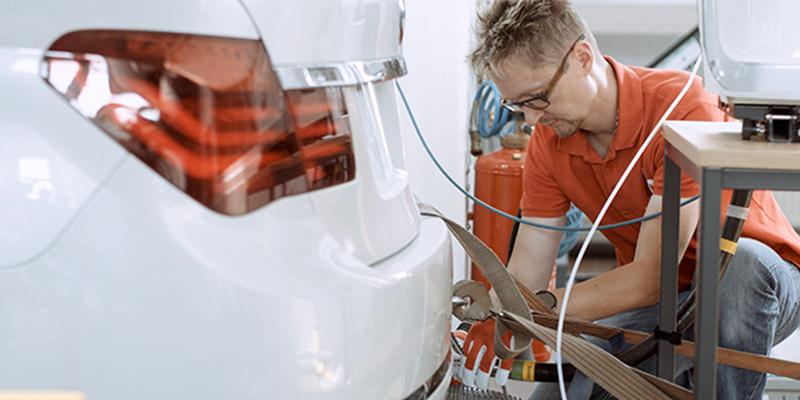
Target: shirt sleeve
(542,196)
(704,110)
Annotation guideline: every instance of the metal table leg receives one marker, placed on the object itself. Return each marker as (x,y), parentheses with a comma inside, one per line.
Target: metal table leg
(707,277)
(669,266)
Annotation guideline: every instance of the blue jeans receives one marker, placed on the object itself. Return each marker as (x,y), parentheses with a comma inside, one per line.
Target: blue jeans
(759,307)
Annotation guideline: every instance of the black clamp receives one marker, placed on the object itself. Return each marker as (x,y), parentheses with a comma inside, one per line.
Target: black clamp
(672,337)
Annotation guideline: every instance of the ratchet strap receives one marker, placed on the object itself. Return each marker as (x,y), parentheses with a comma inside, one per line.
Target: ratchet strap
(502,283)
(613,375)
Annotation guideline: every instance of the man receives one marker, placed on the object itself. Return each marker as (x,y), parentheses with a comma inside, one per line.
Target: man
(591,114)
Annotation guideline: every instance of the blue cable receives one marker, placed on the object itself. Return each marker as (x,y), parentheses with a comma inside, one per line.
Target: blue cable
(501,212)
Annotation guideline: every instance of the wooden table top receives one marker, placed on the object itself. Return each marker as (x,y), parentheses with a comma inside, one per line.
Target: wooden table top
(720,145)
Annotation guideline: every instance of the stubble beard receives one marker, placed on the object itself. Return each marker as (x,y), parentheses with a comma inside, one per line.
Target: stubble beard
(565,128)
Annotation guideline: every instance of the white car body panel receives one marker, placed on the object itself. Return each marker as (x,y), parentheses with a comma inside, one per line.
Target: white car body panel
(52,161)
(380,211)
(36,25)
(312,32)
(115,283)
(190,304)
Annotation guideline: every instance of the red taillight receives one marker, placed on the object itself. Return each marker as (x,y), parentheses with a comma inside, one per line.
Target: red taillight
(206,113)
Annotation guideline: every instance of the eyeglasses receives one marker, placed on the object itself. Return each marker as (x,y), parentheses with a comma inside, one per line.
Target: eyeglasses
(541,100)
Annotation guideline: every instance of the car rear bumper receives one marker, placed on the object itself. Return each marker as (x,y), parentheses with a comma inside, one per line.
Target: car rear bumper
(150,295)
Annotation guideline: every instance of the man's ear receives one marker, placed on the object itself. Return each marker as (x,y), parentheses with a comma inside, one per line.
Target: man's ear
(583,50)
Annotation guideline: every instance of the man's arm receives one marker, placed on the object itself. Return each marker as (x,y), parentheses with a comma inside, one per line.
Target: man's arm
(636,284)
(535,252)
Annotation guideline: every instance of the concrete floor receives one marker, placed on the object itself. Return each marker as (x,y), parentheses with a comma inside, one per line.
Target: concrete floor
(789,349)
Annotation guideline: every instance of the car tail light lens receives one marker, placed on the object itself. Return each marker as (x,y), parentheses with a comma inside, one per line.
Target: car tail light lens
(206,113)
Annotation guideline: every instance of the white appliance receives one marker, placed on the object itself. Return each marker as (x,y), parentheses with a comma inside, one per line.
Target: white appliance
(752,60)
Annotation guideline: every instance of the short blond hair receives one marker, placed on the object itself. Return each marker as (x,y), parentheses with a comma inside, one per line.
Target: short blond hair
(538,31)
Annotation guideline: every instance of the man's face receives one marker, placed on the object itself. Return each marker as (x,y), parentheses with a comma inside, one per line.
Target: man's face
(569,99)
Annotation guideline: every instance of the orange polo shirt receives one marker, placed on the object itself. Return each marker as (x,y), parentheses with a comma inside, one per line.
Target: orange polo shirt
(560,171)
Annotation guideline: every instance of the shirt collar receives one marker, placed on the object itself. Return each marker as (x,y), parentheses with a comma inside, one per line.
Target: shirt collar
(630,105)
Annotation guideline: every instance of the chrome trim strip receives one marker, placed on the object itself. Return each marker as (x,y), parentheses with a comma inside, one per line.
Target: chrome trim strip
(340,74)
(433,383)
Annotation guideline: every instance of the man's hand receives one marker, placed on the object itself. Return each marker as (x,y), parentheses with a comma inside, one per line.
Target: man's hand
(480,358)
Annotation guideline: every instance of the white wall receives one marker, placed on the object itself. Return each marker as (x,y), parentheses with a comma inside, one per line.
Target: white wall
(638,17)
(438,87)
(636,31)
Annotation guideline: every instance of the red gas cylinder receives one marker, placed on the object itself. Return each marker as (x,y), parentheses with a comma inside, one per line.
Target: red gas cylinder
(498,182)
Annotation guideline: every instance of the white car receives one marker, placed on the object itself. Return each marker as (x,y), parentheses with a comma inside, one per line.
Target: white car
(207,200)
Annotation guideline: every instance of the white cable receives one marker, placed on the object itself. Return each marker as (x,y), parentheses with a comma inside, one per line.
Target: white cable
(562,314)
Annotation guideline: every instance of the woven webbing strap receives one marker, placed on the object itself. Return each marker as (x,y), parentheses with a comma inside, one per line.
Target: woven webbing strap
(491,266)
(612,374)
(622,381)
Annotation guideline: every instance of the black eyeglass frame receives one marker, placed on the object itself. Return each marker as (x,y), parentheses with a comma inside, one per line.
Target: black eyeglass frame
(544,96)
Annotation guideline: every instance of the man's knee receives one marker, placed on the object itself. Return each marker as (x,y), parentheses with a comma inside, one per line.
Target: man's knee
(751,268)
(748,304)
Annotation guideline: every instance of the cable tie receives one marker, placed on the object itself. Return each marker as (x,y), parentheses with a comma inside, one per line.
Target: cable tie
(672,337)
